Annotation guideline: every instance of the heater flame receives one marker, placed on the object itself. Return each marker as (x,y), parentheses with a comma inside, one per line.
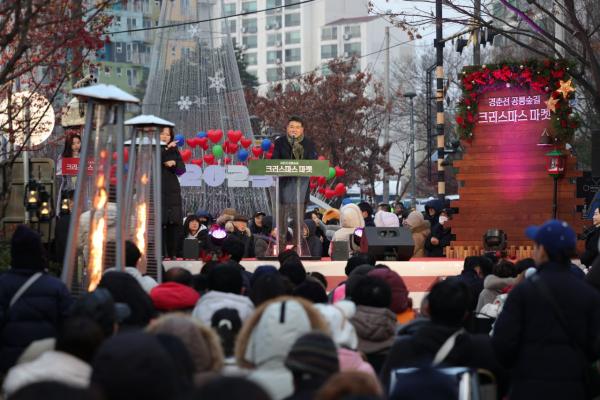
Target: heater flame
(96,253)
(140,228)
(144,179)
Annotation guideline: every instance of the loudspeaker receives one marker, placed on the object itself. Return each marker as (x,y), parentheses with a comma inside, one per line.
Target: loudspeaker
(391,244)
(596,153)
(340,250)
(191,249)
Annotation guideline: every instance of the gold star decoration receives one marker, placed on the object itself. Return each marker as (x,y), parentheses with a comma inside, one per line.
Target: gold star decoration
(551,104)
(565,88)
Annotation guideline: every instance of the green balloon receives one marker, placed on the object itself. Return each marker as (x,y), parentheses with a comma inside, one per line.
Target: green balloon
(331,173)
(217,150)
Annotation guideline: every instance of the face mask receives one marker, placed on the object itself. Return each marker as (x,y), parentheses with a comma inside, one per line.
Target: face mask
(443,219)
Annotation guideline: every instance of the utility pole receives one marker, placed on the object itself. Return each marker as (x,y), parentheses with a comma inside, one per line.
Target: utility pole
(413,171)
(386,123)
(439,99)
(476,33)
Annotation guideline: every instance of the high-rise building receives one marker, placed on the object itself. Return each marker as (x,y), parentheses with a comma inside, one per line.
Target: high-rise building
(298,38)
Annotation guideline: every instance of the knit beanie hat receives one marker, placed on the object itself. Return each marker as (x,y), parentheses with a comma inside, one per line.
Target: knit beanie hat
(26,249)
(311,290)
(313,354)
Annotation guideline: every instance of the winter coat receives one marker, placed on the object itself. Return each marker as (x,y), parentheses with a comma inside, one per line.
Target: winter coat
(314,244)
(213,301)
(53,366)
(529,340)
(171,296)
(400,301)
(386,219)
(351,360)
(267,337)
(84,228)
(420,229)
(376,328)
(438,206)
(259,230)
(444,235)
(172,208)
(36,315)
(287,185)
(492,287)
(338,317)
(247,239)
(419,349)
(591,247)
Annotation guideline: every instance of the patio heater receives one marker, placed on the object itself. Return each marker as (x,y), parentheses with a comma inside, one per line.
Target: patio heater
(97,177)
(143,190)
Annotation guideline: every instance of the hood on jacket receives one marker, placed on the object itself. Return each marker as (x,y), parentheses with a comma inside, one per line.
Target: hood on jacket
(415,220)
(338,318)
(311,226)
(332,213)
(269,334)
(386,219)
(436,204)
(201,341)
(26,250)
(399,290)
(351,217)
(374,324)
(214,300)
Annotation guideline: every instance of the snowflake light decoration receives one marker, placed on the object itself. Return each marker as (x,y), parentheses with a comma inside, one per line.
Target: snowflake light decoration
(217,82)
(184,103)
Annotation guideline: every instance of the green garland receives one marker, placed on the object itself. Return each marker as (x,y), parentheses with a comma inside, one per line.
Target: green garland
(543,76)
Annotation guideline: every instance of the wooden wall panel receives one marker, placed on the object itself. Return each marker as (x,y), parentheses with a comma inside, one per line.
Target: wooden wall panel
(502,177)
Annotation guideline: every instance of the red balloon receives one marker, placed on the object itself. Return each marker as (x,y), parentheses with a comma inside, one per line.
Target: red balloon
(257,151)
(313,185)
(191,142)
(227,160)
(322,180)
(186,155)
(329,193)
(272,146)
(340,189)
(321,158)
(215,136)
(197,161)
(340,171)
(245,142)
(234,136)
(203,142)
(209,159)
(269,154)
(321,190)
(313,178)
(232,147)
(126,154)
(253,158)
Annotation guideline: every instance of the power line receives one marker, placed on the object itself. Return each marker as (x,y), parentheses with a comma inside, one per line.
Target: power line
(150,28)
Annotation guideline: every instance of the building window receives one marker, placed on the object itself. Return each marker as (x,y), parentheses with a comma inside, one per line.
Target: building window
(129,77)
(250,41)
(274,57)
(185,6)
(292,20)
(292,55)
(131,23)
(351,32)
(329,33)
(249,6)
(173,51)
(273,74)
(273,22)
(251,58)
(119,47)
(106,71)
(128,52)
(118,21)
(274,39)
(249,25)
(232,25)
(119,72)
(229,9)
(292,37)
(146,22)
(273,3)
(328,51)
(292,4)
(291,72)
(352,49)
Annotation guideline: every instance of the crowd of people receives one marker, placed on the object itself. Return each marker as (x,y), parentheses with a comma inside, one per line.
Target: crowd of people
(532,327)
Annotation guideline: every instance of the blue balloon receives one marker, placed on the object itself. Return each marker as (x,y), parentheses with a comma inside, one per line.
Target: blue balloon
(180,139)
(201,134)
(242,154)
(265,145)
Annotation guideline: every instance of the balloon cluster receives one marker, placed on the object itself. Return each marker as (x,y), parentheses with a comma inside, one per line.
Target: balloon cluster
(326,186)
(215,147)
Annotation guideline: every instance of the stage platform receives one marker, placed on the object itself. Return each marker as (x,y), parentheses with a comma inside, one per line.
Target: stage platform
(418,274)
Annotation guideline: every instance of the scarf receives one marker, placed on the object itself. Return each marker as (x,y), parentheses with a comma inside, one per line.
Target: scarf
(297,148)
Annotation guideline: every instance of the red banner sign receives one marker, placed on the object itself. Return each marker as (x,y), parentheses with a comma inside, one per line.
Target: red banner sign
(70,166)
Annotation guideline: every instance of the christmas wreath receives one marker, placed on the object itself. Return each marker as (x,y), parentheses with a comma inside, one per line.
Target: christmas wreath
(551,77)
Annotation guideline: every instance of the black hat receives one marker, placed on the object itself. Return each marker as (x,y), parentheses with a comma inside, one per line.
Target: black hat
(100,306)
(259,213)
(26,249)
(315,354)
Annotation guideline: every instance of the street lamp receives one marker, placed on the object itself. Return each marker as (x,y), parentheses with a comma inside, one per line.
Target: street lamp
(555,167)
(413,174)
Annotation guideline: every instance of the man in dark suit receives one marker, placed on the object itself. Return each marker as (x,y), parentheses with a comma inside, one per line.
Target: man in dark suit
(293,192)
